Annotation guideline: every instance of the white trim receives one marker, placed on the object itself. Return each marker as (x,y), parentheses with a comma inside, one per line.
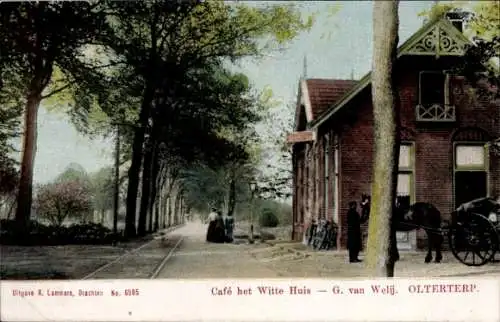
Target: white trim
(305,99)
(402,50)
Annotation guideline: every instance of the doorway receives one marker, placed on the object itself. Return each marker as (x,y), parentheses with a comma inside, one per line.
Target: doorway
(470,173)
(470,185)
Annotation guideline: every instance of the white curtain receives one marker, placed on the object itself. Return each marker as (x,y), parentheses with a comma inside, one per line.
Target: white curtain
(404,184)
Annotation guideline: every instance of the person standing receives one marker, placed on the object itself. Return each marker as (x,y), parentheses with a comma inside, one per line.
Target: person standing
(229,225)
(219,230)
(353,232)
(211,220)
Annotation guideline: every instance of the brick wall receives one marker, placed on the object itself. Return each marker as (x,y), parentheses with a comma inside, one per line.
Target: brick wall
(433,142)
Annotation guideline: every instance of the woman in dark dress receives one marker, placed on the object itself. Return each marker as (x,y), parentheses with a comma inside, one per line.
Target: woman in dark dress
(219,230)
(354,242)
(212,221)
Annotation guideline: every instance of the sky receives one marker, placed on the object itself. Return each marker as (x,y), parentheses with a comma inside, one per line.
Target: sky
(337,46)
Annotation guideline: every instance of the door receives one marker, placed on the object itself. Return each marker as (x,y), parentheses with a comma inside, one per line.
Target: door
(471,173)
(470,185)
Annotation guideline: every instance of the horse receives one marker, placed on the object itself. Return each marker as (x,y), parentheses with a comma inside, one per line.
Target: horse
(408,217)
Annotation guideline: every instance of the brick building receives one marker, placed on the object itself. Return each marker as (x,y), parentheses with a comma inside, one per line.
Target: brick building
(445,126)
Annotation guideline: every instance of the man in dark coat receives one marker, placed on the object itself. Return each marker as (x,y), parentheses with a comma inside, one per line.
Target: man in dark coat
(354,242)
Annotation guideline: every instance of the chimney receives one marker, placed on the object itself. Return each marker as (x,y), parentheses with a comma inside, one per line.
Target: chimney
(457,20)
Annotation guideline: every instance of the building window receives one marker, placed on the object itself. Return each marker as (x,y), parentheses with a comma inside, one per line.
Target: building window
(469,156)
(406,171)
(432,88)
(404,190)
(434,100)
(470,172)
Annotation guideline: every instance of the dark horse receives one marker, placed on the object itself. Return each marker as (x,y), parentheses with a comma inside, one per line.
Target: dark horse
(408,217)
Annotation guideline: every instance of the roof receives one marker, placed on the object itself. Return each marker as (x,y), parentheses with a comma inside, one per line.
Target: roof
(417,44)
(325,92)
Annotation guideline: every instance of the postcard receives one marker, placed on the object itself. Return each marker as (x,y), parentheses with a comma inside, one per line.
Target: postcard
(249,161)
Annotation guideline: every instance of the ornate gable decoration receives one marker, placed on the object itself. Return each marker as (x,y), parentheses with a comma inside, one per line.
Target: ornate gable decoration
(441,39)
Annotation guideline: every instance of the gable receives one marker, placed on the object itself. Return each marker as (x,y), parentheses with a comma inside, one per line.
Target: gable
(440,38)
(303,111)
(437,38)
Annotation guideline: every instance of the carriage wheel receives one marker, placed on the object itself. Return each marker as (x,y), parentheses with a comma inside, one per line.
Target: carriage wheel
(475,242)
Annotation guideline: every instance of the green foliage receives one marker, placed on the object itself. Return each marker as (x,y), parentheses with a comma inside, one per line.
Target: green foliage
(283,211)
(439,10)
(485,22)
(206,187)
(62,30)
(36,39)
(11,107)
(60,200)
(159,71)
(276,181)
(74,172)
(40,234)
(102,188)
(268,218)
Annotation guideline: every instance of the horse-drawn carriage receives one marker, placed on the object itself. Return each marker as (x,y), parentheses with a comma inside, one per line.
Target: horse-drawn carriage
(473,231)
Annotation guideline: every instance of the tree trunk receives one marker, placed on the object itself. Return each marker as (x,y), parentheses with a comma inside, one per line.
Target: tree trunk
(156,214)
(158,197)
(164,205)
(232,194)
(381,238)
(153,184)
(169,210)
(135,166)
(146,192)
(11,208)
(25,193)
(181,209)
(116,187)
(176,208)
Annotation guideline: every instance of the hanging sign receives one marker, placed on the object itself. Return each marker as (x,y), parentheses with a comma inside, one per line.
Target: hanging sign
(302,136)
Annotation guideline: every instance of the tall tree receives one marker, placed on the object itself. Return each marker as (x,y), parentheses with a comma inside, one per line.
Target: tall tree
(164,40)
(101,186)
(382,251)
(276,178)
(39,38)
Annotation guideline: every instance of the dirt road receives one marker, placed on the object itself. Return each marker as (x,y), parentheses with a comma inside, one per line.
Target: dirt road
(195,258)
